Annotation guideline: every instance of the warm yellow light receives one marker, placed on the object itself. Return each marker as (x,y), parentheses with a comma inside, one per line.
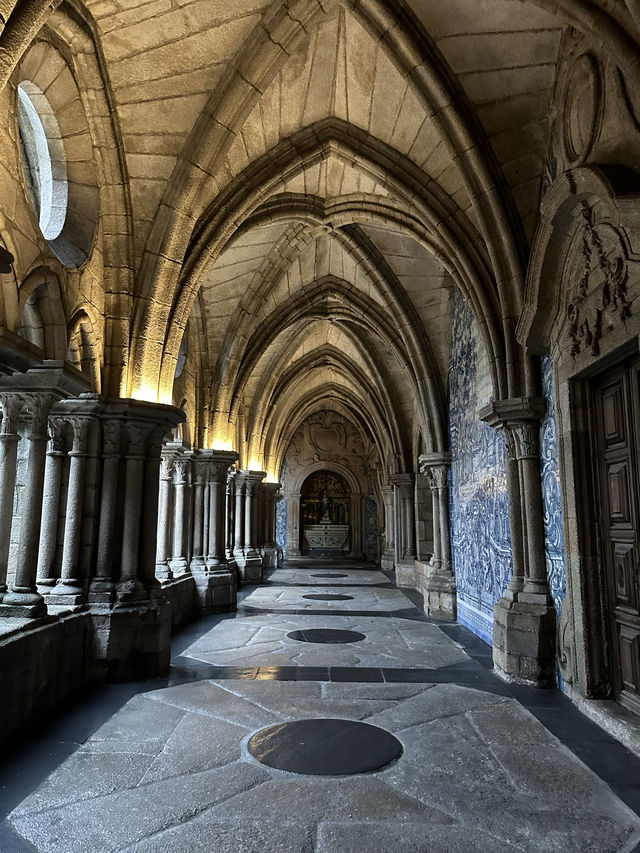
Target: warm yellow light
(147,391)
(254,465)
(271,478)
(218,444)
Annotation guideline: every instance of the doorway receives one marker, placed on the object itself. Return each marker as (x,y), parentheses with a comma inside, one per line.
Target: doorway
(616,430)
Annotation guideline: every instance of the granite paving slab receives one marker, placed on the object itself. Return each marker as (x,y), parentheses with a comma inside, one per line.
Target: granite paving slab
(477,772)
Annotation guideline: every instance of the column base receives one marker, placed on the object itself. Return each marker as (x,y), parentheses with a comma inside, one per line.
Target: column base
(23,602)
(130,592)
(387,562)
(270,558)
(67,592)
(179,566)
(22,611)
(216,592)
(101,592)
(163,572)
(440,596)
(132,642)
(524,639)
(43,586)
(406,573)
(249,568)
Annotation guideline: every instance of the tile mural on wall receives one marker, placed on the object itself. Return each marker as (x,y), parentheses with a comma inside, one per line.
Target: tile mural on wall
(480,536)
(551,501)
(281,516)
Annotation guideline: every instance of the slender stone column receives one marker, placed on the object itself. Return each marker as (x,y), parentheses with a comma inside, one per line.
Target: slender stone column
(206,509)
(163,571)
(230,504)
(388,554)
(102,587)
(406,528)
(179,564)
(238,551)
(248,560)
(199,543)
(130,588)
(293,525)
(46,576)
(440,586)
(221,461)
(23,595)
(70,585)
(150,507)
(524,619)
(269,550)
(11,408)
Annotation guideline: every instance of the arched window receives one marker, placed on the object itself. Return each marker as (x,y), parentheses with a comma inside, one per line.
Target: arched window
(43,159)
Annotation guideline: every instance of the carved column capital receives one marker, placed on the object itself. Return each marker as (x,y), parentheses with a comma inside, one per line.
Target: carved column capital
(12,405)
(111,438)
(57,436)
(79,429)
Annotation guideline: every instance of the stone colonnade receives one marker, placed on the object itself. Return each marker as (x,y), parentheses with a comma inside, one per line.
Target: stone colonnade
(78,512)
(215,523)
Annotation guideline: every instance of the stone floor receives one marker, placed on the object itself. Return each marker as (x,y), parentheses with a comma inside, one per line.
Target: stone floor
(164,765)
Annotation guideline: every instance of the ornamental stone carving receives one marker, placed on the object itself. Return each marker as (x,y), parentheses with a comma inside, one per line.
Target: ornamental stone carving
(598,298)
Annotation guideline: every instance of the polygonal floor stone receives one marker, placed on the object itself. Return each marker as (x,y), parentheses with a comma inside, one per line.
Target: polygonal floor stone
(478,772)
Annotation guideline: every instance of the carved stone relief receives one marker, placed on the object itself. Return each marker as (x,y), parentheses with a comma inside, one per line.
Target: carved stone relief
(597,299)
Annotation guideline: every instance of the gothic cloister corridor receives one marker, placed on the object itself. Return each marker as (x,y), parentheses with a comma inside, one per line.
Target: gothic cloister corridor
(162,766)
(320,425)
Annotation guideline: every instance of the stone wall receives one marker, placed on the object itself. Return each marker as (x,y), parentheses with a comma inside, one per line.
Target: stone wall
(481,544)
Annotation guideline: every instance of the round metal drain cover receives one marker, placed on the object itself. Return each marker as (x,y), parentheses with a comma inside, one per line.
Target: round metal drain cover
(330,575)
(328,596)
(327,747)
(326,635)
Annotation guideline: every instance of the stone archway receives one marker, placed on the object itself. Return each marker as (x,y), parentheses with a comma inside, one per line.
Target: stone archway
(293,496)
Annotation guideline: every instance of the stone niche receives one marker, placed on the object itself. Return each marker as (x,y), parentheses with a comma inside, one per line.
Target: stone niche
(331,459)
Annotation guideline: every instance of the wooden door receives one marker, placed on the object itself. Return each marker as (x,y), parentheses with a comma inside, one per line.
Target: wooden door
(616,398)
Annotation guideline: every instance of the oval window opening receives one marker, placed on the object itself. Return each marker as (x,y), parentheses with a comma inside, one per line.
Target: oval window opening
(43,159)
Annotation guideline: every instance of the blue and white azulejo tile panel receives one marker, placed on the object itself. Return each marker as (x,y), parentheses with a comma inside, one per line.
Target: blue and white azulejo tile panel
(551,500)
(480,535)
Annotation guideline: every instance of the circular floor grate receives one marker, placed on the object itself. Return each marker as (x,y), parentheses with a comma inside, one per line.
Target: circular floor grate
(326,635)
(330,575)
(327,596)
(325,747)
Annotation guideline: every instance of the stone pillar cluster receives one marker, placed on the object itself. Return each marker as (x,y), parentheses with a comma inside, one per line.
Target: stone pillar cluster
(439,588)
(524,618)
(248,535)
(78,498)
(193,532)
(404,528)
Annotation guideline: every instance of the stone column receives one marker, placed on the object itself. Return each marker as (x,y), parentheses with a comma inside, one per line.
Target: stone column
(238,551)
(405,531)
(293,525)
(524,619)
(198,476)
(230,503)
(11,409)
(387,560)
(150,507)
(221,461)
(129,588)
(70,588)
(102,586)
(47,575)
(249,561)
(23,599)
(179,564)
(440,585)
(163,540)
(269,550)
